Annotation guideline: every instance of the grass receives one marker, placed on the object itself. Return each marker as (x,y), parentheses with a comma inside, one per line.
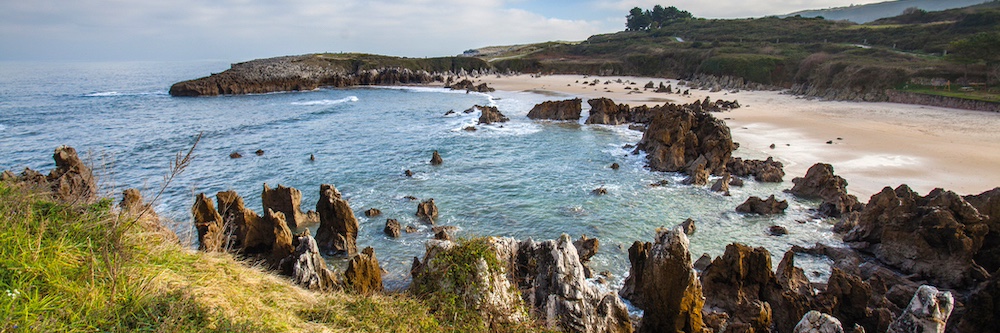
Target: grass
(978,95)
(90,268)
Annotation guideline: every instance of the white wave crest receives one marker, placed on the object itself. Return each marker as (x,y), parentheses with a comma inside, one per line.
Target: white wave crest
(348,99)
(3,127)
(103,94)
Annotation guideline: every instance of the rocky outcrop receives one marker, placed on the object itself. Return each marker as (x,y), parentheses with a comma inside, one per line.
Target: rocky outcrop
(605,111)
(427,210)
(663,282)
(586,248)
(251,235)
(468,86)
(70,181)
(548,274)
(490,114)
(853,301)
(936,235)
(307,267)
(982,313)
(280,238)
(928,312)
(436,158)
(722,184)
(818,322)
(338,227)
(820,183)
(211,234)
(557,110)
(363,274)
(286,200)
(988,204)
(675,140)
(770,206)
(768,170)
(132,203)
(737,283)
(391,228)
(308,72)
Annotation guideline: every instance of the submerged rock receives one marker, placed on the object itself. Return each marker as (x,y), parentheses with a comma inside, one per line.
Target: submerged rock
(770,206)
(338,227)
(373,212)
(557,110)
(820,183)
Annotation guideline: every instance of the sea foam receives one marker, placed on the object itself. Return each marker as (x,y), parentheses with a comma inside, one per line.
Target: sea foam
(348,99)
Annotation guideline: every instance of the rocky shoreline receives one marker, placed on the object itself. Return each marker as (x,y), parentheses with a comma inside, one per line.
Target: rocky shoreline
(910,263)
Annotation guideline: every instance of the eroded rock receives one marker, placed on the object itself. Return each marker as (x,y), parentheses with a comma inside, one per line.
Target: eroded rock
(338,227)
(767,170)
(662,282)
(927,312)
(363,274)
(770,206)
(427,210)
(288,201)
(820,183)
(675,139)
(490,115)
(557,110)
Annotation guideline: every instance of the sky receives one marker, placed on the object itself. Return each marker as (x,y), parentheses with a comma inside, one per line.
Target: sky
(236,30)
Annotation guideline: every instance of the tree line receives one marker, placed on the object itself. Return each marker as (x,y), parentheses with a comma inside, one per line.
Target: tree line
(639,19)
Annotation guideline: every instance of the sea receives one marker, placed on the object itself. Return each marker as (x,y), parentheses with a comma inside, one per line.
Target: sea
(522,179)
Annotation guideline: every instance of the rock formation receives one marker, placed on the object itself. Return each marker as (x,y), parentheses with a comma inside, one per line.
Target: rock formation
(70,181)
(251,235)
(586,248)
(821,183)
(927,312)
(548,274)
(363,274)
(557,110)
(468,86)
(286,200)
(688,227)
(722,185)
(391,228)
(770,206)
(280,238)
(663,283)
(338,227)
(983,311)
(436,158)
(936,235)
(737,283)
(427,210)
(677,139)
(988,204)
(605,111)
(490,114)
(211,234)
(373,212)
(817,322)
(768,170)
(306,267)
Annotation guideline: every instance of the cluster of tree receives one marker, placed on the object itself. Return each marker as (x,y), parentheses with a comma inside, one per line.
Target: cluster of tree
(983,47)
(639,19)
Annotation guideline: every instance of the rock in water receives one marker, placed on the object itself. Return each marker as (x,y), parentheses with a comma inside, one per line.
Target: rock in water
(490,114)
(436,158)
(676,138)
(208,222)
(821,183)
(769,170)
(71,180)
(391,228)
(722,185)
(286,200)
(338,227)
(259,152)
(928,312)
(372,212)
(306,267)
(688,227)
(935,236)
(557,110)
(363,274)
(755,205)
(605,111)
(235,154)
(663,283)
(427,210)
(817,322)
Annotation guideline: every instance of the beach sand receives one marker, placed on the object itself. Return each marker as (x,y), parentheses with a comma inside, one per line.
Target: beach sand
(873,144)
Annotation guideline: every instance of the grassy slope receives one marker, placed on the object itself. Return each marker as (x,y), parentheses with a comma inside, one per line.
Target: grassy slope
(85,268)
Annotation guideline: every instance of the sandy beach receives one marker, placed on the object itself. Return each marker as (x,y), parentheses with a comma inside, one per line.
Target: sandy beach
(873,145)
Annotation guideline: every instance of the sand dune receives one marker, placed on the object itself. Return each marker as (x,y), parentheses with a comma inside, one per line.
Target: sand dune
(873,144)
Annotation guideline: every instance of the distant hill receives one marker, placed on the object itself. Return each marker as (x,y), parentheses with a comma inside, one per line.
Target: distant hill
(875,11)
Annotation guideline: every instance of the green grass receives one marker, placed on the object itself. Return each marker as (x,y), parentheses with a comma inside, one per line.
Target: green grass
(89,268)
(985,95)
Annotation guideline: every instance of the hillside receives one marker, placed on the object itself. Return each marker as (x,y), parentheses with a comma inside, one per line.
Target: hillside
(871,12)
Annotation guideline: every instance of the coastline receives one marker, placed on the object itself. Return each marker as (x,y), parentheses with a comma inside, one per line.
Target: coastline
(880,144)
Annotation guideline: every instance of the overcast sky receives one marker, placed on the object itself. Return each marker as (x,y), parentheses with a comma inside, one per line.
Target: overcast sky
(234,30)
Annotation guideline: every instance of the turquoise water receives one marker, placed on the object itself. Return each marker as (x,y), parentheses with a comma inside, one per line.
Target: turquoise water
(521,179)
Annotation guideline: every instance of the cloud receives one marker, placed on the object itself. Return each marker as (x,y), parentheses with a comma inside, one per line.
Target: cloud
(243,29)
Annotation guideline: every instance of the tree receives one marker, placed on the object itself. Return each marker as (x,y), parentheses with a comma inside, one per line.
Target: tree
(659,15)
(637,20)
(982,47)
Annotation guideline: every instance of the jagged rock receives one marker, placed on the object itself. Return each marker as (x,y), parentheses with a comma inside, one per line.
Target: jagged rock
(363,274)
(548,274)
(71,180)
(847,222)
(928,312)
(338,227)
(490,114)
(988,204)
(982,311)
(722,185)
(467,85)
(306,267)
(688,227)
(605,111)
(794,295)
(372,212)
(442,235)
(736,181)
(427,210)
(852,300)
(697,172)
(767,170)
(738,282)
(411,229)
(208,222)
(132,202)
(8,176)
(702,263)
(586,248)
(770,206)
(675,139)
(818,322)
(821,183)
(557,110)
(286,200)
(663,283)
(436,158)
(392,228)
(935,236)
(280,236)
(251,235)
